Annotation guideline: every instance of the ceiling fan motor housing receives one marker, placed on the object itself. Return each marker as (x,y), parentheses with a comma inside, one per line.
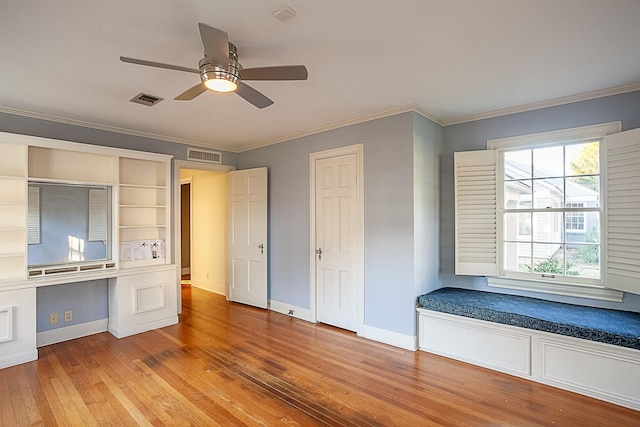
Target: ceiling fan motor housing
(212,72)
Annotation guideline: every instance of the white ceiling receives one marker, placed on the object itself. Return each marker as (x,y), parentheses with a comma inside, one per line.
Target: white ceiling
(452,60)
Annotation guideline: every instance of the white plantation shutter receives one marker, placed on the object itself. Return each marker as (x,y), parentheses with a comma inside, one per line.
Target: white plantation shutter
(476,213)
(622,269)
(97,214)
(33,216)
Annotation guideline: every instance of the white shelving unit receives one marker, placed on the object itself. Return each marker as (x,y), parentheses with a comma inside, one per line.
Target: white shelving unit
(13,207)
(143,212)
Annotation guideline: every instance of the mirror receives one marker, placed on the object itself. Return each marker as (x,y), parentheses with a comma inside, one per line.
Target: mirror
(68,223)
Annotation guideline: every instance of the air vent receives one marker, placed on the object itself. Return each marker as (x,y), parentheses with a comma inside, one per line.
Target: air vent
(145,99)
(284,13)
(204,155)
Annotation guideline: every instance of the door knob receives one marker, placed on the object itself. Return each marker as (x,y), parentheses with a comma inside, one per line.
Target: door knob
(319,253)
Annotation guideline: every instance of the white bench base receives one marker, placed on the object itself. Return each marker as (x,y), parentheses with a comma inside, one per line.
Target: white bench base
(603,371)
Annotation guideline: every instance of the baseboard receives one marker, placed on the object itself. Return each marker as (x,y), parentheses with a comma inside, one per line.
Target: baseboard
(185,270)
(17,359)
(121,333)
(290,310)
(216,289)
(71,332)
(408,342)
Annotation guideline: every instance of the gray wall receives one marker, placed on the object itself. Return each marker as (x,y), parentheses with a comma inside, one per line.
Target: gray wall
(474,136)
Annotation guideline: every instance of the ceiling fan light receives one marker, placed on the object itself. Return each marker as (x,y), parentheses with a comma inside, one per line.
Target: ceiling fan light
(219,79)
(220,85)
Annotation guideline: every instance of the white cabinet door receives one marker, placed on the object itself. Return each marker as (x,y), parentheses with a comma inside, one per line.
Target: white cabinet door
(248,237)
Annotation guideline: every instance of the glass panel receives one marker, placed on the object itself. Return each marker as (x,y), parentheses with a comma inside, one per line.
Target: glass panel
(548,193)
(517,164)
(517,194)
(548,162)
(582,227)
(583,261)
(548,258)
(547,227)
(517,226)
(583,189)
(583,159)
(517,257)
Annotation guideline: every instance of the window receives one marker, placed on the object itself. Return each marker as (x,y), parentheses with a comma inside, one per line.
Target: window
(548,191)
(552,212)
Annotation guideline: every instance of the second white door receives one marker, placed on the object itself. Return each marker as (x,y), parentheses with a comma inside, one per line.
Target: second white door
(248,237)
(337,241)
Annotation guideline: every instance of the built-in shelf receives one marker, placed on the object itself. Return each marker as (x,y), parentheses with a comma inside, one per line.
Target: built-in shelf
(13,190)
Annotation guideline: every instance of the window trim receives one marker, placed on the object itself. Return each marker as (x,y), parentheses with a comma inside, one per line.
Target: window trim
(590,290)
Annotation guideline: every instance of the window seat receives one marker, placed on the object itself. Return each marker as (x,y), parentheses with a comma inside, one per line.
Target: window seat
(591,351)
(614,327)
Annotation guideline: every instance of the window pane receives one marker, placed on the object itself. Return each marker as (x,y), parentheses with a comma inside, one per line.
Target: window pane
(583,261)
(548,162)
(517,257)
(548,259)
(583,189)
(517,226)
(583,159)
(547,227)
(517,164)
(582,227)
(548,193)
(517,194)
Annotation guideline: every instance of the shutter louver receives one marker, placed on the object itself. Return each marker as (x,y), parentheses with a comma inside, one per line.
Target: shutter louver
(475,213)
(623,204)
(33,216)
(97,215)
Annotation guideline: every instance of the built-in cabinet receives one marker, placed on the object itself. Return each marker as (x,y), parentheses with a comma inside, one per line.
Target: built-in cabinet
(143,285)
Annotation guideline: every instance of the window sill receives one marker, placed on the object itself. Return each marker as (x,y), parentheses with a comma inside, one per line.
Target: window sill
(591,292)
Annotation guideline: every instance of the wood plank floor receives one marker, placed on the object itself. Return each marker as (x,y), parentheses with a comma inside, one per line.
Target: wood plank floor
(228,364)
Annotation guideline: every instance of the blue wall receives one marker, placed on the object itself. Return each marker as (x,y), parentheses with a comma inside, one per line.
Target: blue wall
(474,136)
(88,301)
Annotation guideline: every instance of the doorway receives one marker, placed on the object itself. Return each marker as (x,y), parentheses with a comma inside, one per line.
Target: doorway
(337,237)
(208,223)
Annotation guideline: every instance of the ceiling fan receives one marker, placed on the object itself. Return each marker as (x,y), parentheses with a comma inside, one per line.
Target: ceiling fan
(220,70)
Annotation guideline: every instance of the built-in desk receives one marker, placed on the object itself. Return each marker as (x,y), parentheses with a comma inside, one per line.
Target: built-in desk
(130,189)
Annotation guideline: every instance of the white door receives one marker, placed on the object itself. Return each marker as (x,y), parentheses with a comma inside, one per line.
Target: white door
(337,241)
(248,237)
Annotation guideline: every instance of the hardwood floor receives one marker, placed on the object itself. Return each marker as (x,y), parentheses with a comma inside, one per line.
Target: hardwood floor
(228,364)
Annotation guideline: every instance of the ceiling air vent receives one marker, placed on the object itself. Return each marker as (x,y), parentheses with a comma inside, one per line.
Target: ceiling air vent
(284,13)
(204,155)
(145,99)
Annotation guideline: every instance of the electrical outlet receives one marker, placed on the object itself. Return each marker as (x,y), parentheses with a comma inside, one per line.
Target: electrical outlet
(68,316)
(53,319)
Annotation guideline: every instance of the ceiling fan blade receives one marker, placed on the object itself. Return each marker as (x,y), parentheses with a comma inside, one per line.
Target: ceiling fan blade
(191,93)
(253,96)
(284,72)
(158,65)
(216,45)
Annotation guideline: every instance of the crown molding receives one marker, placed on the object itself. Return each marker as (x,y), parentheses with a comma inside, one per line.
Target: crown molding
(115,129)
(353,121)
(344,123)
(543,104)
